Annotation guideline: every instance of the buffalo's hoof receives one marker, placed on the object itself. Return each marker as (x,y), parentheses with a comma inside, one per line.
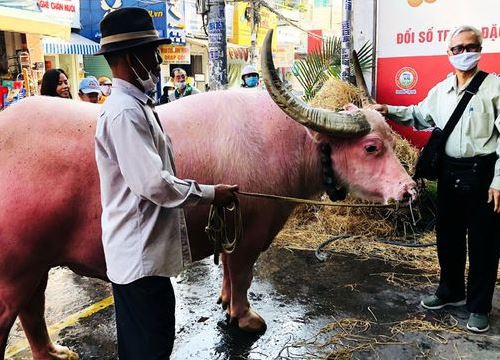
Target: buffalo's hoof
(224,304)
(252,322)
(59,352)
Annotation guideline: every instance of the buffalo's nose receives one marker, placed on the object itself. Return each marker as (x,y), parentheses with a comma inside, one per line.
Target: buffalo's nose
(411,192)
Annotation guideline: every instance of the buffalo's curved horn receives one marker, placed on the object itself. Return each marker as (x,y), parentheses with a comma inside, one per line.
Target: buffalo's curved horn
(320,120)
(366,98)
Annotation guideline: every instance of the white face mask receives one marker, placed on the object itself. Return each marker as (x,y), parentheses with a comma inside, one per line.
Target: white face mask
(465,61)
(180,85)
(106,90)
(149,84)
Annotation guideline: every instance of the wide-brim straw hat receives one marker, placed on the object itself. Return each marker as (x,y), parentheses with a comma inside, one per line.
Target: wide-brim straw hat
(127,28)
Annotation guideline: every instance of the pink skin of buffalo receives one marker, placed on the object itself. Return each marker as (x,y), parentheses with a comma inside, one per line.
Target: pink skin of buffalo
(50,203)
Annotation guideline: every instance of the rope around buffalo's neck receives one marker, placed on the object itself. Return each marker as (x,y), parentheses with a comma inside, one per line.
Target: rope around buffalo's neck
(225,241)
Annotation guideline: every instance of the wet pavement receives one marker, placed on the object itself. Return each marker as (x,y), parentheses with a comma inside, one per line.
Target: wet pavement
(295,293)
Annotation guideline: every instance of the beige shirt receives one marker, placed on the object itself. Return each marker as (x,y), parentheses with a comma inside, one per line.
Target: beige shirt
(477,132)
(143,226)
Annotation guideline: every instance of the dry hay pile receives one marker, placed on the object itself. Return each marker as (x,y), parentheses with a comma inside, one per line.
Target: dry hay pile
(336,93)
(342,338)
(310,226)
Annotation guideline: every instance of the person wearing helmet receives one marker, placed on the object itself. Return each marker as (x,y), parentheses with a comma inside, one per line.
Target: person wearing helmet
(105,84)
(250,77)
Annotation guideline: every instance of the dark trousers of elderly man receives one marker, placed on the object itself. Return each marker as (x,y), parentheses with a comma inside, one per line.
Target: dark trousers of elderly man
(464,213)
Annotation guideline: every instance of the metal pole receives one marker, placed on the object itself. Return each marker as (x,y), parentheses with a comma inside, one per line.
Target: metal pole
(345,69)
(253,33)
(217,46)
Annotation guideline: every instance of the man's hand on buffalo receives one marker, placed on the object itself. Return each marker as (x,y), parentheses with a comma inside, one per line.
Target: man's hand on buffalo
(381,108)
(224,194)
(494,195)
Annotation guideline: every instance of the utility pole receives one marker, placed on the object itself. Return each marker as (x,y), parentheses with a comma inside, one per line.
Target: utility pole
(254,22)
(217,45)
(345,56)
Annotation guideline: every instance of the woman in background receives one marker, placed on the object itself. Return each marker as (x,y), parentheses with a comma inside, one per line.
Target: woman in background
(55,83)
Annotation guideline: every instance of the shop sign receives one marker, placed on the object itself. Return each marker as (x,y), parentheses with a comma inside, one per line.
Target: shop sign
(175,54)
(93,11)
(411,47)
(65,11)
(284,56)
(176,22)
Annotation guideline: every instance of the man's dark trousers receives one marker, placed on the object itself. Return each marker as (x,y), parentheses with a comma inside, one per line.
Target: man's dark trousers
(145,318)
(465,211)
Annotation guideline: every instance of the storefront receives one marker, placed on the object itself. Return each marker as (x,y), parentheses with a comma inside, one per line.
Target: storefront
(68,55)
(21,55)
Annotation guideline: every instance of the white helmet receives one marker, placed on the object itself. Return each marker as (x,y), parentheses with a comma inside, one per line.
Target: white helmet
(249,69)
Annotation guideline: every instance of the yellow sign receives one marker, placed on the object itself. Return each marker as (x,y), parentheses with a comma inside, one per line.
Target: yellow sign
(242,27)
(175,54)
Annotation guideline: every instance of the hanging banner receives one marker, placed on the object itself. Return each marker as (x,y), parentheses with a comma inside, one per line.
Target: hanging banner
(176,22)
(412,43)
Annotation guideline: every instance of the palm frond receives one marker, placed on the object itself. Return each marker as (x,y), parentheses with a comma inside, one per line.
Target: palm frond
(323,63)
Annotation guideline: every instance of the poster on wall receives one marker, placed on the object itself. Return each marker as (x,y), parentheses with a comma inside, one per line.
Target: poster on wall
(93,11)
(412,39)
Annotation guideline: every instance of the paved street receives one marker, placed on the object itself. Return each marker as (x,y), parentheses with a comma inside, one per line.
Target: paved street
(296,294)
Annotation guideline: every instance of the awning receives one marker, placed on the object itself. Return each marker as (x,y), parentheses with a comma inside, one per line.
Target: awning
(31,22)
(77,45)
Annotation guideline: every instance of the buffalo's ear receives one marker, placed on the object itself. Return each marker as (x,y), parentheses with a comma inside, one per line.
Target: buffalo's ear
(351,108)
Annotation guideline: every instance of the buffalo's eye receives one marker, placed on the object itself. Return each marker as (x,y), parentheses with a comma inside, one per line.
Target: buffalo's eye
(370,149)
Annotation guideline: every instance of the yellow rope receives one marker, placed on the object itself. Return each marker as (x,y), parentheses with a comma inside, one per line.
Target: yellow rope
(218,230)
(313,202)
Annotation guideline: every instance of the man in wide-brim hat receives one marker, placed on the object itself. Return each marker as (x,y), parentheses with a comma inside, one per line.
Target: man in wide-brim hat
(144,232)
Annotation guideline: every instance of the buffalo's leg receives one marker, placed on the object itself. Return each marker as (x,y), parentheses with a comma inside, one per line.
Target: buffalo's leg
(15,292)
(225,295)
(240,265)
(32,317)
(8,313)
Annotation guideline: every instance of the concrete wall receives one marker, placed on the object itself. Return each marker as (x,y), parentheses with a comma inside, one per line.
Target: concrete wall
(363,22)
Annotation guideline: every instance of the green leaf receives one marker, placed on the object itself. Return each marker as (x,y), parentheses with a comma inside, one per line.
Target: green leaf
(323,63)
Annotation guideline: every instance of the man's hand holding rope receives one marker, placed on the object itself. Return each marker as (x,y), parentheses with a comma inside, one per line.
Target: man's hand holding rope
(224,194)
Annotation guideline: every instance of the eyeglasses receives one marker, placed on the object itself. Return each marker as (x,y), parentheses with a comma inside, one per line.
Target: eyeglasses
(455,50)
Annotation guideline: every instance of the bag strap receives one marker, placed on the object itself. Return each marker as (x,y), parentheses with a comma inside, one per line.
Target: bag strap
(470,91)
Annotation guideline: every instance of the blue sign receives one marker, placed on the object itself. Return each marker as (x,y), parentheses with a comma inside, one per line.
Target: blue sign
(92,12)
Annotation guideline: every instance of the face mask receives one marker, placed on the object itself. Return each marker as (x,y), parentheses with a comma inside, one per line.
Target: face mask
(465,61)
(251,81)
(106,90)
(180,85)
(149,84)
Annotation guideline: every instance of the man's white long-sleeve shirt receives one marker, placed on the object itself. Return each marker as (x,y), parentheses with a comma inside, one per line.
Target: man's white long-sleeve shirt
(477,132)
(143,226)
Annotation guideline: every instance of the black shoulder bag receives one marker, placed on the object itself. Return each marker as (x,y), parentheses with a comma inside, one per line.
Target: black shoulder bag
(429,161)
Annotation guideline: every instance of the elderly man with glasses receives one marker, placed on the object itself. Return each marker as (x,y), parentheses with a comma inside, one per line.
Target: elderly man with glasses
(469,180)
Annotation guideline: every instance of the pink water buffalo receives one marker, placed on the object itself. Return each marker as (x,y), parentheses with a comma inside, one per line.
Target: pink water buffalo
(49,189)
